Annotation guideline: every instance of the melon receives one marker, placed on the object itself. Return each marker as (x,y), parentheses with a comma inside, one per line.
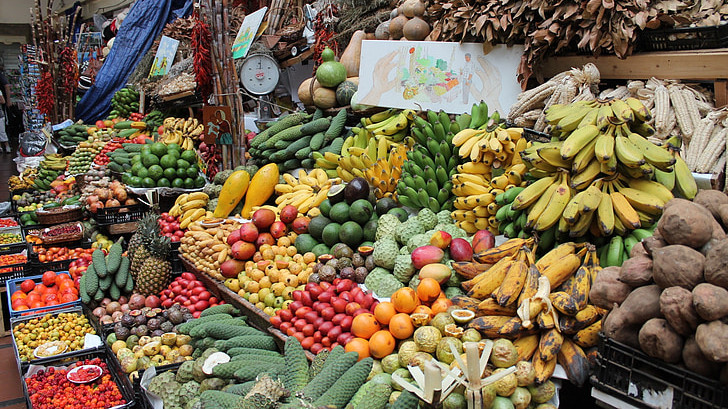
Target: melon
(305,93)
(344,92)
(324,98)
(331,72)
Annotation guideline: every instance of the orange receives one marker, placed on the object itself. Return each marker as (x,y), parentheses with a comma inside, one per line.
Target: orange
(364,325)
(381,344)
(384,311)
(401,326)
(423,309)
(405,300)
(18,294)
(440,305)
(358,345)
(428,290)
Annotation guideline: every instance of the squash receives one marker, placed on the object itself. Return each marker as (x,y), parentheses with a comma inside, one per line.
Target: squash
(413,8)
(231,193)
(416,29)
(382,31)
(305,94)
(352,54)
(330,73)
(261,188)
(324,98)
(344,92)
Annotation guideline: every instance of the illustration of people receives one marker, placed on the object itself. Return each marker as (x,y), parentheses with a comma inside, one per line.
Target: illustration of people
(220,128)
(466,75)
(163,69)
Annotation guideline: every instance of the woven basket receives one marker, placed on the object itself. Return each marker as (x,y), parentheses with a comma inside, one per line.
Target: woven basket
(294,21)
(122,228)
(63,238)
(59,215)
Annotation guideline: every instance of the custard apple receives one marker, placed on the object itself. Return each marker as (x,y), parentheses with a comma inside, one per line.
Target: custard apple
(212,191)
(403,268)
(382,282)
(427,218)
(189,391)
(408,229)
(387,226)
(418,240)
(443,217)
(404,251)
(221,177)
(211,205)
(385,251)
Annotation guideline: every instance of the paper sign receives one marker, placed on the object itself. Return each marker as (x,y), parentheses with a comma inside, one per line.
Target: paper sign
(165,56)
(247,33)
(438,75)
(218,128)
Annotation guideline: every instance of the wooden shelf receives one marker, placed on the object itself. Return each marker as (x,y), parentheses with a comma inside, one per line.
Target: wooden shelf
(696,65)
(299,58)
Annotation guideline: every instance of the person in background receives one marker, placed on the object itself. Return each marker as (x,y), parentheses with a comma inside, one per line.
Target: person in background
(4,105)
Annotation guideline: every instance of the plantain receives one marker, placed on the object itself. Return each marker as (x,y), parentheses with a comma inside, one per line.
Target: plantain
(563,303)
(544,320)
(531,284)
(509,248)
(509,290)
(469,269)
(580,286)
(514,328)
(550,344)
(562,269)
(544,369)
(589,336)
(490,280)
(466,303)
(489,325)
(489,306)
(556,254)
(573,359)
(526,346)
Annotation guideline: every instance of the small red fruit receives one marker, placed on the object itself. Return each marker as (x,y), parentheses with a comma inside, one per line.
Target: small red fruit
(249,232)
(243,250)
(265,238)
(278,229)
(263,218)
(300,224)
(289,214)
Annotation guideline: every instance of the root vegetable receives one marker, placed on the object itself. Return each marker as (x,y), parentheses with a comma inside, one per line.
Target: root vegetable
(638,250)
(607,289)
(642,304)
(716,268)
(636,271)
(712,337)
(723,214)
(616,326)
(651,243)
(686,223)
(677,265)
(676,305)
(710,301)
(696,361)
(659,340)
(711,200)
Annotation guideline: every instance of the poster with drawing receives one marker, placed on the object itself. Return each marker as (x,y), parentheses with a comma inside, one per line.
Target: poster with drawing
(438,75)
(164,58)
(247,33)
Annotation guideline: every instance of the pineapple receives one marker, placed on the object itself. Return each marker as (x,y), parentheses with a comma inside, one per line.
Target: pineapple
(155,272)
(139,243)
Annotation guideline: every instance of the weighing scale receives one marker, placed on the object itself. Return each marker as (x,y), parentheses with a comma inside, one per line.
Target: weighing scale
(259,75)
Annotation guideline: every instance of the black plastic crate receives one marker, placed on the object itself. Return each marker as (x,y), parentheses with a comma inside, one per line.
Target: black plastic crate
(121,214)
(117,375)
(684,38)
(13,271)
(629,374)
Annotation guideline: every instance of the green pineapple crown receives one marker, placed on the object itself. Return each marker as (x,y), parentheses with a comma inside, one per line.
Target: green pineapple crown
(160,246)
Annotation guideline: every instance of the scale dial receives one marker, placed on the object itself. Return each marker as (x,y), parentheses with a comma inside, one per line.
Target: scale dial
(259,74)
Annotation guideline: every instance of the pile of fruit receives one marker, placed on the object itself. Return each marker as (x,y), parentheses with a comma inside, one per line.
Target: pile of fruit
(82,158)
(160,165)
(104,157)
(265,229)
(30,201)
(67,327)
(53,289)
(206,247)
(110,195)
(190,293)
(304,193)
(79,266)
(25,181)
(10,238)
(52,166)
(182,132)
(11,259)
(4,223)
(188,208)
(73,134)
(170,227)
(50,254)
(123,103)
(49,388)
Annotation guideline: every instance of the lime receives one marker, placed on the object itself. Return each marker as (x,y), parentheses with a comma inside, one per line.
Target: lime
(200,181)
(182,164)
(136,181)
(178,182)
(360,211)
(192,172)
(305,243)
(189,183)
(174,146)
(330,234)
(156,172)
(143,173)
(168,161)
(339,212)
(135,168)
(401,214)
(190,156)
(164,182)
(126,179)
(170,173)
(181,173)
(325,207)
(159,149)
(148,182)
(350,233)
(149,160)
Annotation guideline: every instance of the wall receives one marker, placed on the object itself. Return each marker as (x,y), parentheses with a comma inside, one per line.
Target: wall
(15,11)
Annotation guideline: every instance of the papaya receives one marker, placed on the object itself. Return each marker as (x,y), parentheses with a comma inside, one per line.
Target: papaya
(261,188)
(233,191)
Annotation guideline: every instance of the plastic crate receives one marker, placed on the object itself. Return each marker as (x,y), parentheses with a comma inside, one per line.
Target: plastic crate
(685,38)
(14,246)
(121,214)
(13,285)
(141,396)
(60,357)
(13,271)
(117,375)
(632,376)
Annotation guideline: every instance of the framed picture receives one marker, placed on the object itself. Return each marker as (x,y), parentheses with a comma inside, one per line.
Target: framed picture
(164,58)
(218,125)
(438,75)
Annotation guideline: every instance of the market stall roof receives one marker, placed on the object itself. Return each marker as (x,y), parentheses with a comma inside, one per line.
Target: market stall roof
(145,21)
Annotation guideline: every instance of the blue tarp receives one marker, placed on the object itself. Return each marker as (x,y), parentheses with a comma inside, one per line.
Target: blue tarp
(137,33)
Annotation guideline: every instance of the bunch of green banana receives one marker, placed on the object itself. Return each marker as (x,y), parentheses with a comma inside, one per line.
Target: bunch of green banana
(393,124)
(154,119)
(511,222)
(50,167)
(425,180)
(617,250)
(124,102)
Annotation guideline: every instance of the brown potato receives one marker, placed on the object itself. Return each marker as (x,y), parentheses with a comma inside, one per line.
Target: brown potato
(712,337)
(642,304)
(695,360)
(659,340)
(677,265)
(676,305)
(616,326)
(686,223)
(638,250)
(716,267)
(711,200)
(710,301)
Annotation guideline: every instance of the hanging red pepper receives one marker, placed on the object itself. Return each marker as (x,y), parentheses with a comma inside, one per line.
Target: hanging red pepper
(69,69)
(201,43)
(45,93)
(324,32)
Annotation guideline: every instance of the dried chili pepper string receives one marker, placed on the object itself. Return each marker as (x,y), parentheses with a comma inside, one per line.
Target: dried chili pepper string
(202,63)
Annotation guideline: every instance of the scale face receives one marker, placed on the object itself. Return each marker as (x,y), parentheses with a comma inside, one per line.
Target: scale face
(259,74)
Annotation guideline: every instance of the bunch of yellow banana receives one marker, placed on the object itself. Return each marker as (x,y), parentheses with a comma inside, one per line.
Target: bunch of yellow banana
(384,174)
(182,131)
(305,192)
(189,208)
(393,124)
(17,183)
(543,304)
(495,147)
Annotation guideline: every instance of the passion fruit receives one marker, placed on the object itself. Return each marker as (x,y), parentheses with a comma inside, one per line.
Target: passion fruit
(462,316)
(365,251)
